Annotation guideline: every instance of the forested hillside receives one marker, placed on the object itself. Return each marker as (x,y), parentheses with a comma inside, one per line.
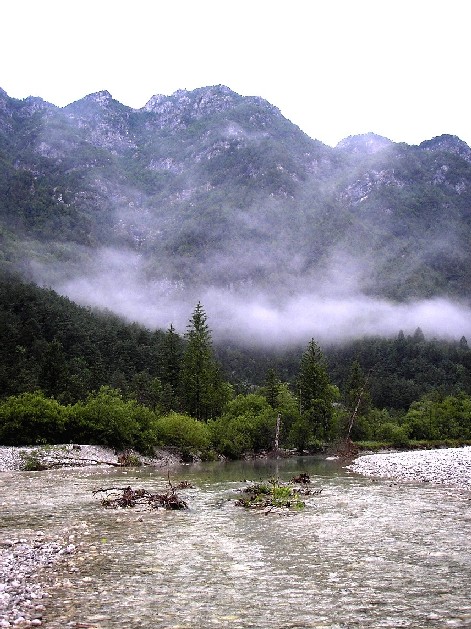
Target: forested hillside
(208,197)
(208,190)
(70,374)
(50,343)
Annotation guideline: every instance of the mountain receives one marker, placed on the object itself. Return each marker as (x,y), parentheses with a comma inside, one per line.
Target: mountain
(207,190)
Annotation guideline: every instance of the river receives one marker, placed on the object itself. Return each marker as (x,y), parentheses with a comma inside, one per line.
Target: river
(363,553)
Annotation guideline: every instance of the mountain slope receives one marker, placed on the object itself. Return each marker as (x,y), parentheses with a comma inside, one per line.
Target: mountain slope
(211,190)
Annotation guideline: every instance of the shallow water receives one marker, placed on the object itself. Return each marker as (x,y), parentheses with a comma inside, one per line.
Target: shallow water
(363,553)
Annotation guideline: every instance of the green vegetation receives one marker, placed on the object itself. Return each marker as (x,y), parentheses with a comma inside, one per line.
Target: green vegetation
(71,375)
(203,392)
(272,495)
(31,462)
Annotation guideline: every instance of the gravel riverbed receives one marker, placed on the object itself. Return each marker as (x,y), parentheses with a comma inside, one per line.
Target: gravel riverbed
(30,565)
(450,466)
(69,455)
(28,570)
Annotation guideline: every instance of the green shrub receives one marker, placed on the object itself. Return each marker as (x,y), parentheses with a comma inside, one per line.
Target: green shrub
(396,435)
(190,436)
(232,438)
(31,418)
(106,419)
(300,434)
(248,425)
(30,462)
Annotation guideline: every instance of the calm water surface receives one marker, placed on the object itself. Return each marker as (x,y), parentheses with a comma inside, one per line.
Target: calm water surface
(363,553)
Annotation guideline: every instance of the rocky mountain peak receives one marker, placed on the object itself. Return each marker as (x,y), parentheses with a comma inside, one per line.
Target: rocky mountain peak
(97,102)
(103,97)
(366,143)
(450,143)
(32,104)
(183,106)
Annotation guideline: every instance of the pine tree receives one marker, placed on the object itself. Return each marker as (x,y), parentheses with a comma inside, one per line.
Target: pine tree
(316,392)
(202,389)
(272,388)
(172,352)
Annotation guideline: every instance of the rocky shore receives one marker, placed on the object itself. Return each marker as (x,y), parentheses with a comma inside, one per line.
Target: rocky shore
(30,565)
(30,458)
(27,571)
(450,466)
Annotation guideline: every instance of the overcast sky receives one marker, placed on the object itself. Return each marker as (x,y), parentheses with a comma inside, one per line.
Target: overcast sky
(334,67)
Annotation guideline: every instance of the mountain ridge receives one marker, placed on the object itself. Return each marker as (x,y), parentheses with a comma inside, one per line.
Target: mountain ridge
(204,94)
(210,190)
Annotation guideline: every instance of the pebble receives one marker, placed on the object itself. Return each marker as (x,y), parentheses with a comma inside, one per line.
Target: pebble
(21,560)
(12,458)
(447,466)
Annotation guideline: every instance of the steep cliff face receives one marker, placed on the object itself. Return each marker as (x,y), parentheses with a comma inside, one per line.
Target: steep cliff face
(210,187)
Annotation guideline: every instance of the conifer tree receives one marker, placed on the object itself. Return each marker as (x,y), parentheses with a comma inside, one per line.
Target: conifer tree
(272,388)
(172,352)
(316,392)
(202,390)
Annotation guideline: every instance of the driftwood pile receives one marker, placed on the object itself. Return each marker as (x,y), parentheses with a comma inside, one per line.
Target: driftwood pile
(126,497)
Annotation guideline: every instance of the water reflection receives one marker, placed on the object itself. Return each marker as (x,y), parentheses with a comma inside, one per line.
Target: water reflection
(362,554)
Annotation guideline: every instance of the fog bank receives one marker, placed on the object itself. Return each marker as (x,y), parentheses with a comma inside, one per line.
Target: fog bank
(253,316)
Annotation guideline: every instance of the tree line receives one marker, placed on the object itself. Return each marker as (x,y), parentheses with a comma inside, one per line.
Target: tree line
(68,373)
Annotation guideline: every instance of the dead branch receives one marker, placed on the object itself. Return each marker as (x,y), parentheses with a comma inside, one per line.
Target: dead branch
(96,461)
(127,497)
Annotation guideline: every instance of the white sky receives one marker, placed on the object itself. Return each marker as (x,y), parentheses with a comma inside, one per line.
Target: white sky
(335,68)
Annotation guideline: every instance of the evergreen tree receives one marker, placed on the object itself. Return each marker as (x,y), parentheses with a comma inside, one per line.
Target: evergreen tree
(418,336)
(146,390)
(316,393)
(202,390)
(356,391)
(272,388)
(172,353)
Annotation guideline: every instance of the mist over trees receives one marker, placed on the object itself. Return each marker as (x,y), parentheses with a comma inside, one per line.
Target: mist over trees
(208,195)
(71,374)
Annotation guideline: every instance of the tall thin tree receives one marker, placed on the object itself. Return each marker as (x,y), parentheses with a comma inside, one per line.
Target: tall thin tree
(202,388)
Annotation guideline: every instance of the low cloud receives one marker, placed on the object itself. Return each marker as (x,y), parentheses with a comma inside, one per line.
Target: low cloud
(251,316)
